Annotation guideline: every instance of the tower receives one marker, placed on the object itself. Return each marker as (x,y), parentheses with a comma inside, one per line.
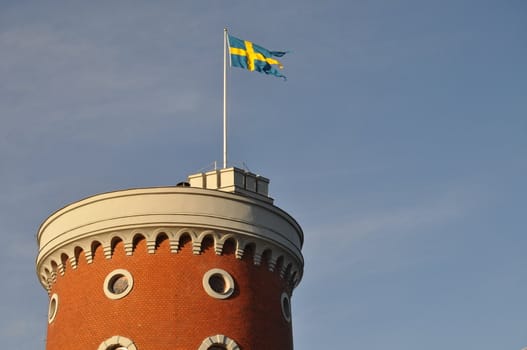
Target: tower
(209,264)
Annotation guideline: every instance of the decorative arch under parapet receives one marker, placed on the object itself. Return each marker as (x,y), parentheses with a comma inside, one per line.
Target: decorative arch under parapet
(219,339)
(184,236)
(131,244)
(227,244)
(94,245)
(197,243)
(160,238)
(262,251)
(109,250)
(63,263)
(74,259)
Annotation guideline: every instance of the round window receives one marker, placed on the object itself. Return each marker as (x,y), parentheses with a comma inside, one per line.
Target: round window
(286,306)
(118,284)
(53,306)
(218,283)
(219,342)
(117,342)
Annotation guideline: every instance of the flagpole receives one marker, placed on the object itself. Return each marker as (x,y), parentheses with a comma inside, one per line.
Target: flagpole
(225,98)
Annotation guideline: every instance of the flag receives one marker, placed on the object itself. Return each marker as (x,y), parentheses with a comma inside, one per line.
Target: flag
(247,55)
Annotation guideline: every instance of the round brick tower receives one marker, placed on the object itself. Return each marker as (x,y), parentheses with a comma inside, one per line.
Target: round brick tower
(207,265)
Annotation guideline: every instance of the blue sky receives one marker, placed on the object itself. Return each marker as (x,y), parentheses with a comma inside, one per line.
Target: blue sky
(398,142)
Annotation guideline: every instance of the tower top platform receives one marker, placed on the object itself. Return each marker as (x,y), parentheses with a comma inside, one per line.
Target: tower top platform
(227,201)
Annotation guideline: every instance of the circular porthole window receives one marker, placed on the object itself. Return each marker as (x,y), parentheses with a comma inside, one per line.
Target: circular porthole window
(286,306)
(53,307)
(117,342)
(218,283)
(118,284)
(219,342)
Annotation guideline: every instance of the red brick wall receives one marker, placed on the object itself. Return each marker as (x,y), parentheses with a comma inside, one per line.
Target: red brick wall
(168,309)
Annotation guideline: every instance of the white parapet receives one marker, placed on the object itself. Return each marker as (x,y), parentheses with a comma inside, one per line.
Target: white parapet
(228,201)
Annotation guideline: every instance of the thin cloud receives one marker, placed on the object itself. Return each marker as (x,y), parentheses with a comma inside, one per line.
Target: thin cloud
(58,87)
(438,209)
(22,330)
(410,218)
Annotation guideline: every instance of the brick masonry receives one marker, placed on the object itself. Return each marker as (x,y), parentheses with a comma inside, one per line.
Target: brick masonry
(168,307)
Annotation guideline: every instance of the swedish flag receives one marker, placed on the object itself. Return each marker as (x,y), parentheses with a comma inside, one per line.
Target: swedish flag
(247,55)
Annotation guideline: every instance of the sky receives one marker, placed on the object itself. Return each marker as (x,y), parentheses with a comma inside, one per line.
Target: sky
(398,143)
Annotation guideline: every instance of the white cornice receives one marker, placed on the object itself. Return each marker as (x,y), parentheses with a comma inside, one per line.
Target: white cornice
(174,211)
